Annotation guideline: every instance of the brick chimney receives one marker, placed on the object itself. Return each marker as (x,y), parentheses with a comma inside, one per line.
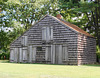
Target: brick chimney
(59,16)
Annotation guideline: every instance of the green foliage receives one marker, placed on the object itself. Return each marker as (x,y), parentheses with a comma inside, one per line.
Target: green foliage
(98,51)
(4,40)
(86,14)
(19,15)
(98,55)
(4,55)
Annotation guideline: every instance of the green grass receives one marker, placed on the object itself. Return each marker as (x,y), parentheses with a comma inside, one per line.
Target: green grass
(14,70)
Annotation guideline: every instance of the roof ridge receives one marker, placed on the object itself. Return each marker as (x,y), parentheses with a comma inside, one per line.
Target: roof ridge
(74,27)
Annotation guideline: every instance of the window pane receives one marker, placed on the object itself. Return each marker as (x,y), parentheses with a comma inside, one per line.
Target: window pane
(51,33)
(48,33)
(24,40)
(39,48)
(44,33)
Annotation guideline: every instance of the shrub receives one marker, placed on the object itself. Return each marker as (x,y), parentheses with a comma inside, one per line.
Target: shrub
(0,55)
(7,55)
(98,52)
(4,55)
(98,55)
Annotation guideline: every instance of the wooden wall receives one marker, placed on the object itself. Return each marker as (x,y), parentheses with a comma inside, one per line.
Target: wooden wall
(61,34)
(86,49)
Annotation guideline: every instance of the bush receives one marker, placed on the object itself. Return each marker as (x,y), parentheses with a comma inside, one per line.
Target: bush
(98,53)
(0,55)
(7,55)
(4,55)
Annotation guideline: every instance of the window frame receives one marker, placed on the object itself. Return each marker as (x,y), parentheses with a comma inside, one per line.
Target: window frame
(38,48)
(47,33)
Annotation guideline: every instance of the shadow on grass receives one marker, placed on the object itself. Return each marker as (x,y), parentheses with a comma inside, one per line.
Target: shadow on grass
(4,61)
(7,61)
(93,65)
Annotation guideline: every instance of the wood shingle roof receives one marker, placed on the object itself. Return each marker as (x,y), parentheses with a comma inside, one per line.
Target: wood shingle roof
(74,27)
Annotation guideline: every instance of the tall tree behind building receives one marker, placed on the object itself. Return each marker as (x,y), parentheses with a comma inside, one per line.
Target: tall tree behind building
(87,13)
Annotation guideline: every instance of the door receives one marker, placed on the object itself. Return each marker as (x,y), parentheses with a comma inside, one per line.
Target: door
(16,54)
(56,54)
(32,54)
(61,53)
(64,53)
(12,55)
(24,54)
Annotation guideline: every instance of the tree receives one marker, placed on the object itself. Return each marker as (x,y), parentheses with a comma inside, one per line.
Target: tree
(87,15)
(4,40)
(19,15)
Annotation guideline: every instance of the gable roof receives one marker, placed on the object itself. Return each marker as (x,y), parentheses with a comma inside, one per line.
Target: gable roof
(74,27)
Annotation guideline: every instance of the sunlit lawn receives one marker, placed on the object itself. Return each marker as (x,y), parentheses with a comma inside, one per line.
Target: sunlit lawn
(14,70)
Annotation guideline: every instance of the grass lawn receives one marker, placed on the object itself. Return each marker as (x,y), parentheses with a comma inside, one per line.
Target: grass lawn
(14,70)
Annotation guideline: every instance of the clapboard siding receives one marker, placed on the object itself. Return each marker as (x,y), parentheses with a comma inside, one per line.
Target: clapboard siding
(86,49)
(76,44)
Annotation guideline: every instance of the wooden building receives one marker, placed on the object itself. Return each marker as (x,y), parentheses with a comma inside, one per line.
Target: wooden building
(54,41)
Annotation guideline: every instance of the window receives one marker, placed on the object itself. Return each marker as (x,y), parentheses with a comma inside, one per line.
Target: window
(24,40)
(47,33)
(39,48)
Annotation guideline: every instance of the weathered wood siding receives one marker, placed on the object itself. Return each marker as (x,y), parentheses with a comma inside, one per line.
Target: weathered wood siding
(66,37)
(86,49)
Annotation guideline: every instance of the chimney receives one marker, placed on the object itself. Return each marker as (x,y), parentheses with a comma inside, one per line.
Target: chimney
(59,16)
